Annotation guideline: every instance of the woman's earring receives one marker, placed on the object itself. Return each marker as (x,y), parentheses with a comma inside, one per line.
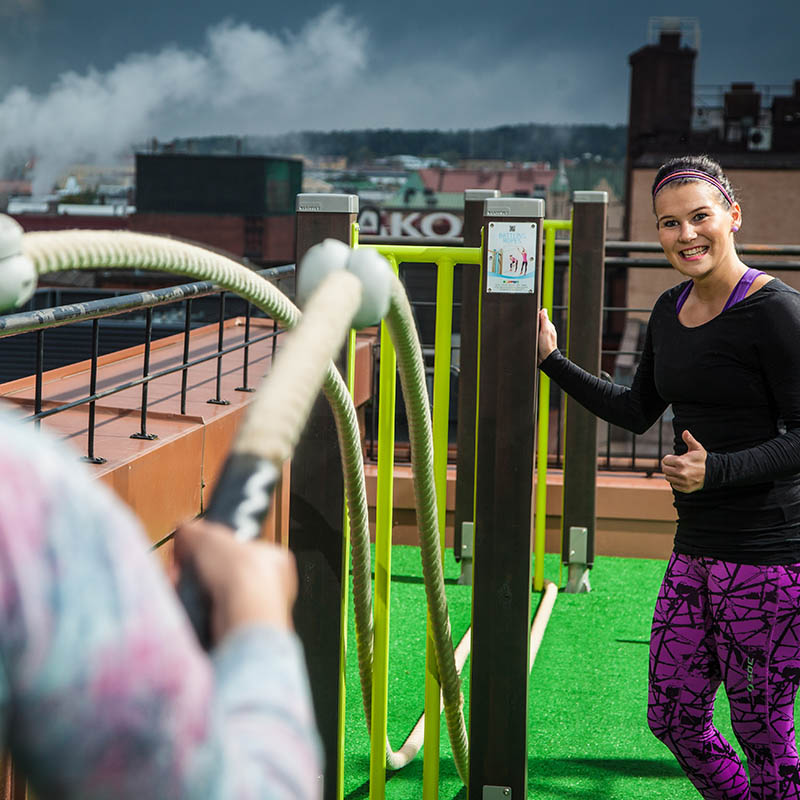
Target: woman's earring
(735,228)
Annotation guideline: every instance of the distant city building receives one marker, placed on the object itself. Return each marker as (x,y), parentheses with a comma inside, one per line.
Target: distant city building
(13,188)
(431,201)
(753,131)
(514,181)
(243,205)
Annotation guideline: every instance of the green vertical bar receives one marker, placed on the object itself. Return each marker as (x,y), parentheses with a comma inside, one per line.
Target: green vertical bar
(441,421)
(544,414)
(383,564)
(548,278)
(351,379)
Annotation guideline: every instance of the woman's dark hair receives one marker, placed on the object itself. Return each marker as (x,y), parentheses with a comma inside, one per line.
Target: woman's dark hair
(702,164)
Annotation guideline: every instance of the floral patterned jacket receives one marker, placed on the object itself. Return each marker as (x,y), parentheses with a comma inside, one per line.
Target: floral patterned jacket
(104,692)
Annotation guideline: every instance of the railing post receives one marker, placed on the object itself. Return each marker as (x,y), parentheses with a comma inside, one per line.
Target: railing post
(148,339)
(468,381)
(316,521)
(217,399)
(584,345)
(90,457)
(504,516)
(245,387)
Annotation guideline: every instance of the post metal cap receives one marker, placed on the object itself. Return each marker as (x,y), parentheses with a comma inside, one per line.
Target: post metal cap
(330,203)
(480,194)
(590,197)
(525,207)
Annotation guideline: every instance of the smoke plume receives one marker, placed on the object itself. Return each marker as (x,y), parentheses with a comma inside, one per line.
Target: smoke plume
(243,80)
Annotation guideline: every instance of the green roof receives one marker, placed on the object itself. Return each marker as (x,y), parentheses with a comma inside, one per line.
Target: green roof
(587,175)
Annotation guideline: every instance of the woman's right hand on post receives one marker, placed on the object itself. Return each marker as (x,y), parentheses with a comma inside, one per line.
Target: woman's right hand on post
(548,338)
(249,582)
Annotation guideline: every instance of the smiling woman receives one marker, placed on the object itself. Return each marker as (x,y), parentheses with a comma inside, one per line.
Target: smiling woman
(721,348)
(696,217)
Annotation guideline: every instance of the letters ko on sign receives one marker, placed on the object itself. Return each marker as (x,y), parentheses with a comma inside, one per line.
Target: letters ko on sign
(410,223)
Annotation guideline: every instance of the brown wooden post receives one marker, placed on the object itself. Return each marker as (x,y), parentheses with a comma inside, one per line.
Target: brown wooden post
(317,512)
(504,510)
(468,380)
(12,785)
(584,345)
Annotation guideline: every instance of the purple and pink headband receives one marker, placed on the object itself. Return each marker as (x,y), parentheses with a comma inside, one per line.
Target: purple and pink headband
(695,174)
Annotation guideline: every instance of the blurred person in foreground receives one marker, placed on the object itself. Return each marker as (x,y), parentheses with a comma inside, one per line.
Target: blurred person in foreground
(723,348)
(104,689)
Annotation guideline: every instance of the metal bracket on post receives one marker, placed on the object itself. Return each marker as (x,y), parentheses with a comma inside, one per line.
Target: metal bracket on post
(496,793)
(467,539)
(578,575)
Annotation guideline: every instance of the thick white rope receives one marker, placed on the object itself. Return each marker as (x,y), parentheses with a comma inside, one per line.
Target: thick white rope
(56,251)
(415,739)
(411,366)
(280,409)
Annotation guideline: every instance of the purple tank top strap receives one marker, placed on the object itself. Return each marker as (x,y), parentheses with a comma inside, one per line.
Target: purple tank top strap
(740,290)
(682,297)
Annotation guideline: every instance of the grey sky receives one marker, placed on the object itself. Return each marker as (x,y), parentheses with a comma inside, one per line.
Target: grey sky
(86,78)
(419,64)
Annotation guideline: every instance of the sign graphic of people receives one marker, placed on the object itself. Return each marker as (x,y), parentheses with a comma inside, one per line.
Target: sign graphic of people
(512,243)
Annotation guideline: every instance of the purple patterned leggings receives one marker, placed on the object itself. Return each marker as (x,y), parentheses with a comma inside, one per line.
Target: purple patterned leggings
(718,622)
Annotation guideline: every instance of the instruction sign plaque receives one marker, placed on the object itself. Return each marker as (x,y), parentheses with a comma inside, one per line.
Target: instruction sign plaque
(511,253)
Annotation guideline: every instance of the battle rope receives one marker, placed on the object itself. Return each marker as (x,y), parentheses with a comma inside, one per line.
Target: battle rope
(64,250)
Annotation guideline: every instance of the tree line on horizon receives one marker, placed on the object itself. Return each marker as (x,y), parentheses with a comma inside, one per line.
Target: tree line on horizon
(524,142)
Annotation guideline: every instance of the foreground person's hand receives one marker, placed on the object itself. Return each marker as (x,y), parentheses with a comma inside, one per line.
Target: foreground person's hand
(248,582)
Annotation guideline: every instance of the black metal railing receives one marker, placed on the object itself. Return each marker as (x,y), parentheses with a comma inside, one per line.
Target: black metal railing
(159,313)
(168,300)
(618,449)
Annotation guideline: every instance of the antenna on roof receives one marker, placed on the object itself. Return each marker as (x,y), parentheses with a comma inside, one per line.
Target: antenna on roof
(688,28)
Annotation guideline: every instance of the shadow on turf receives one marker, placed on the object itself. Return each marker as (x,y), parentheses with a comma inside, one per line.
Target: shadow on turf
(419,579)
(414,579)
(593,778)
(411,776)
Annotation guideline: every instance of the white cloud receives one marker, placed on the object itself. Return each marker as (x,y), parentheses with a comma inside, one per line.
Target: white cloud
(326,75)
(244,80)
(468,92)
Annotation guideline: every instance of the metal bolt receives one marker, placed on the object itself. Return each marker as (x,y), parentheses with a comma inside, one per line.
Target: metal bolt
(506,792)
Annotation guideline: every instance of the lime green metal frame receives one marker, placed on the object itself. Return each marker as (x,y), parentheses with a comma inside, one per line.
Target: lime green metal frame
(551,226)
(445,258)
(383,562)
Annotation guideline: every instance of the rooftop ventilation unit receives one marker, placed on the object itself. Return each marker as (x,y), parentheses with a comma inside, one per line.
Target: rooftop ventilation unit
(759,138)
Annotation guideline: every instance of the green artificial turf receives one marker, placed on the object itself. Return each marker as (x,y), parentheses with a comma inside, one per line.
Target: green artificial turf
(587,733)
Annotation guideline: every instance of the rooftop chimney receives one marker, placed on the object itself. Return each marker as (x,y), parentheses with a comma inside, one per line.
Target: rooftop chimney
(662,86)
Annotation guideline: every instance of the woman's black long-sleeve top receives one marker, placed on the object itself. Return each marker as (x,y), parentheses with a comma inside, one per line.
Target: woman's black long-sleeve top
(734,384)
